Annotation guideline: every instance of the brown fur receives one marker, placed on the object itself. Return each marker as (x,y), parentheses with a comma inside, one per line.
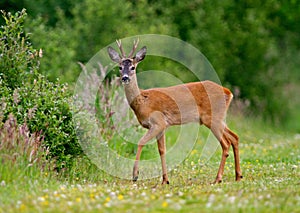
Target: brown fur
(204,102)
(156,109)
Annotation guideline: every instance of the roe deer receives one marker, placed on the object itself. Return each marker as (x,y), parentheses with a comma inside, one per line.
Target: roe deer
(158,108)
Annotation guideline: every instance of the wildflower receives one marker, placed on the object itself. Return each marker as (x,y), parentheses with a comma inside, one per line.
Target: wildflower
(120,197)
(45,203)
(41,199)
(40,53)
(107,204)
(231,199)
(294,167)
(112,194)
(22,207)
(210,201)
(194,152)
(92,196)
(165,204)
(169,195)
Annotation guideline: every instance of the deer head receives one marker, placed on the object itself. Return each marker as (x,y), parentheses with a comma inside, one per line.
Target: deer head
(127,65)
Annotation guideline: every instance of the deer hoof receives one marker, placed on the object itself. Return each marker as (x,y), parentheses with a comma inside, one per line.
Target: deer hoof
(216,181)
(238,178)
(165,182)
(134,179)
(135,176)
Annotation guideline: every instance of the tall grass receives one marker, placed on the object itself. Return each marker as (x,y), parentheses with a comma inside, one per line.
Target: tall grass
(21,152)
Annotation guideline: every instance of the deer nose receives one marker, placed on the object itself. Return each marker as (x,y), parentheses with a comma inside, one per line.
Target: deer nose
(125,79)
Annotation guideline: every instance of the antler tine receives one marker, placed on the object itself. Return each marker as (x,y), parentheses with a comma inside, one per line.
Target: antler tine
(119,43)
(135,45)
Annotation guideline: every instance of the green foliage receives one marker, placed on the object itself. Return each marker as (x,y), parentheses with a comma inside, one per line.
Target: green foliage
(31,98)
(269,161)
(19,61)
(252,45)
(45,107)
(57,62)
(122,19)
(20,151)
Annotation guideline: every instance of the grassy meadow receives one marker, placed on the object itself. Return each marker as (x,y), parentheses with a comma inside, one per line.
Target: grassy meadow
(270,161)
(42,166)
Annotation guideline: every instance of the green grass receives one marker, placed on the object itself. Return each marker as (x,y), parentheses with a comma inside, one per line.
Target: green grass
(270,161)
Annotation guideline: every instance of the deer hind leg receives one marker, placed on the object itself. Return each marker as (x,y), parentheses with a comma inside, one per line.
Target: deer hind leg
(235,142)
(157,125)
(218,131)
(162,152)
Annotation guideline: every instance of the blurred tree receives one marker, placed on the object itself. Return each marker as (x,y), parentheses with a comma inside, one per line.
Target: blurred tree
(123,19)
(47,9)
(59,49)
(253,45)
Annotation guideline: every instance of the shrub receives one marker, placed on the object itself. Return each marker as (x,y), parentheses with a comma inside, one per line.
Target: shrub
(44,106)
(30,97)
(19,60)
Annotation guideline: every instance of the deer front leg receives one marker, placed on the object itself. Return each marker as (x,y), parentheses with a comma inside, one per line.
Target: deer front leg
(157,125)
(225,149)
(162,152)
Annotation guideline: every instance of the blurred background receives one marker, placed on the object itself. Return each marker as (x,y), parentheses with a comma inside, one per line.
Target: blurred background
(253,45)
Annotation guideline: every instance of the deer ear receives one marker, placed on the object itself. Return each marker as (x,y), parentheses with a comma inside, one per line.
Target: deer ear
(114,55)
(140,55)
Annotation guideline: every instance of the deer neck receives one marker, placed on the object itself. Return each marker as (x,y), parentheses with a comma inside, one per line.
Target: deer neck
(132,89)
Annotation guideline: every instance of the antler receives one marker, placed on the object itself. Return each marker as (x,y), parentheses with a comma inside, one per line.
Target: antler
(135,45)
(119,43)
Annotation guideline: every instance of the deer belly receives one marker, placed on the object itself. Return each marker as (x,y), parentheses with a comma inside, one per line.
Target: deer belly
(183,116)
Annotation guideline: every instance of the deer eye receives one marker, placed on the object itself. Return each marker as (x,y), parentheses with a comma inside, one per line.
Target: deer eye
(132,68)
(120,68)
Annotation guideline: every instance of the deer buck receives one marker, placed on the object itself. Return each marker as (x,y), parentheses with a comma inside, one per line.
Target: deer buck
(156,109)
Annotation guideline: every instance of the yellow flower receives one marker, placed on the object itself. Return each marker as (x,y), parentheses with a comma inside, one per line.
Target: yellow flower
(78,199)
(107,199)
(120,197)
(165,204)
(22,207)
(92,196)
(45,203)
(194,152)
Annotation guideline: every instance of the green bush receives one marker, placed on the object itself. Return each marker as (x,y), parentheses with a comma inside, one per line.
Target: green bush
(30,97)
(44,106)
(19,61)
(52,65)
